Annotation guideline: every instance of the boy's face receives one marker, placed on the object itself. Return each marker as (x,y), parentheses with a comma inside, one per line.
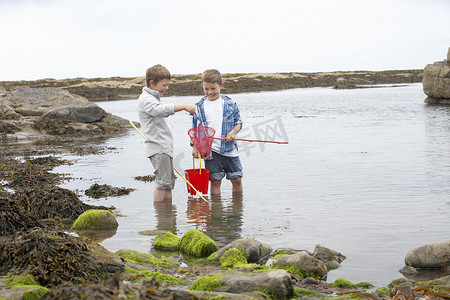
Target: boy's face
(161,86)
(212,90)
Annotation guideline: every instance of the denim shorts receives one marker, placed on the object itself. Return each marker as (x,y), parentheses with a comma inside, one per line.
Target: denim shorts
(163,164)
(221,165)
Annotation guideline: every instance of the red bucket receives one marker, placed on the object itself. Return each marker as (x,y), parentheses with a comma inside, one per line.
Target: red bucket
(199,180)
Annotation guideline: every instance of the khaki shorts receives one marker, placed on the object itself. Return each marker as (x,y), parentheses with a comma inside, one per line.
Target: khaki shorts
(163,164)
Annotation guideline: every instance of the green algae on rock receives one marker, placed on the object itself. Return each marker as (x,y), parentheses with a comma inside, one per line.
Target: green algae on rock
(138,275)
(167,241)
(144,259)
(344,283)
(198,244)
(95,219)
(35,293)
(27,279)
(208,283)
(234,258)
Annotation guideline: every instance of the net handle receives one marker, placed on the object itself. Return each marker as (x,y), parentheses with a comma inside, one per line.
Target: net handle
(258,141)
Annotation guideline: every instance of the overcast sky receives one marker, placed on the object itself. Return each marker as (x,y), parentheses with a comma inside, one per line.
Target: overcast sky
(104,38)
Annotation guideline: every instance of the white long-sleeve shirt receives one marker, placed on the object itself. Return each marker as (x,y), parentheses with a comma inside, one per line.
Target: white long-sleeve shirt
(154,125)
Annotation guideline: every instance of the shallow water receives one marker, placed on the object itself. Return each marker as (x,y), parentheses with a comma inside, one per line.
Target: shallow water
(366,173)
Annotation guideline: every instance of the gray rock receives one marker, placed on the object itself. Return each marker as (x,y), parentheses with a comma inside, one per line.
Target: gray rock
(431,256)
(87,113)
(436,81)
(407,270)
(304,262)
(309,280)
(325,254)
(274,282)
(254,250)
(6,112)
(332,265)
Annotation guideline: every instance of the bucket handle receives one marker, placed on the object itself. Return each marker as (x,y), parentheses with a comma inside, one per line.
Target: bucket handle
(193,163)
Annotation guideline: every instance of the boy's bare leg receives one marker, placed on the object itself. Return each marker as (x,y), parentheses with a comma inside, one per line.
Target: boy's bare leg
(237,185)
(160,195)
(215,187)
(168,195)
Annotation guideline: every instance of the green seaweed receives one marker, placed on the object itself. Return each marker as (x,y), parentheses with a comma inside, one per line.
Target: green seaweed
(233,258)
(208,283)
(16,280)
(197,244)
(346,284)
(212,258)
(138,275)
(145,259)
(35,293)
(167,241)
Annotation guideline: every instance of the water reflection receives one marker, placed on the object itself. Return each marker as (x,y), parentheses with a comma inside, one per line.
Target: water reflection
(166,216)
(225,220)
(97,236)
(198,213)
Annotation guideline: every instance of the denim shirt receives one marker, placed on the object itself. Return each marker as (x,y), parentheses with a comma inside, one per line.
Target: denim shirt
(231,118)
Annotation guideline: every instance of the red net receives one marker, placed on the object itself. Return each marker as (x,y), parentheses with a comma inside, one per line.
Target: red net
(202,137)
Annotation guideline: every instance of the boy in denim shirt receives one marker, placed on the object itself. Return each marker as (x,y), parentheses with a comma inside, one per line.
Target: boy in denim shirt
(221,113)
(159,141)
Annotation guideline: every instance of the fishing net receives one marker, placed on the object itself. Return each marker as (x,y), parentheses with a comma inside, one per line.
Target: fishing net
(202,137)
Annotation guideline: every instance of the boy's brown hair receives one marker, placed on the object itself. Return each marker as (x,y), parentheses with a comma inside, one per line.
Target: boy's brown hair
(212,76)
(156,73)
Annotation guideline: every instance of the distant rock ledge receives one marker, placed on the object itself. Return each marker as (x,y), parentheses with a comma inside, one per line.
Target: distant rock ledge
(116,88)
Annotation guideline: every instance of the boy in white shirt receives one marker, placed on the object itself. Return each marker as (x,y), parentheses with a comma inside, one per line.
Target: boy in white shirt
(221,113)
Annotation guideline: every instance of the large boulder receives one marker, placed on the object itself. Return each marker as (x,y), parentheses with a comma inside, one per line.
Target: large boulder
(431,256)
(436,81)
(35,102)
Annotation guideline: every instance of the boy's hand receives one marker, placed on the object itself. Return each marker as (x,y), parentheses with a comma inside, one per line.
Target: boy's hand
(230,136)
(195,152)
(190,109)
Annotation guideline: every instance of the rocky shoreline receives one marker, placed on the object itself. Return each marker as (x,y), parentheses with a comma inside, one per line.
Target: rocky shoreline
(39,254)
(115,88)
